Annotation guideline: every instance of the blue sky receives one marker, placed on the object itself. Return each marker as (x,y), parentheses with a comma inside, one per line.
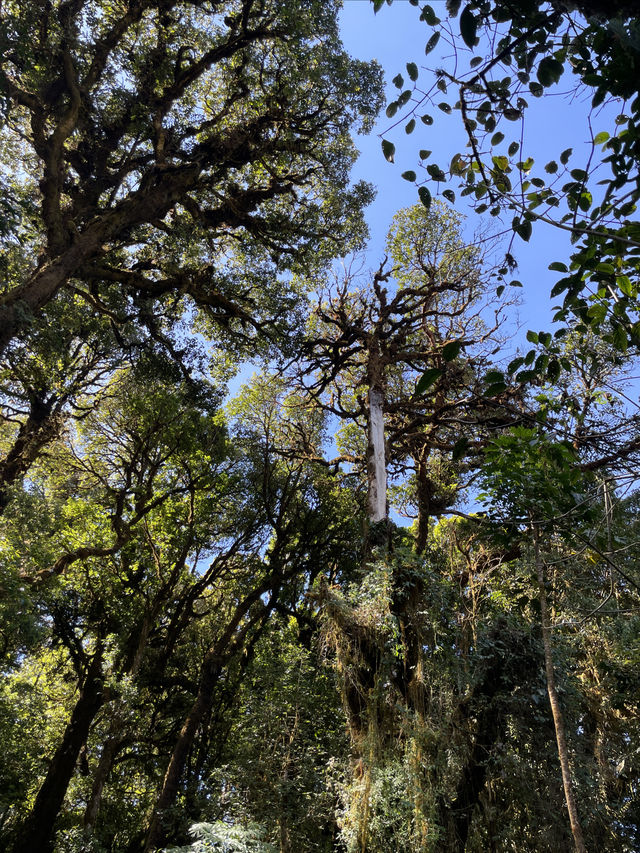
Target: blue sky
(396,36)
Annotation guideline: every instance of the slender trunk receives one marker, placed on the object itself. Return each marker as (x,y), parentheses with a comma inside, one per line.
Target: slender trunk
(116,733)
(377,495)
(37,833)
(210,673)
(556,710)
(229,644)
(283,821)
(422,536)
(109,752)
(376,455)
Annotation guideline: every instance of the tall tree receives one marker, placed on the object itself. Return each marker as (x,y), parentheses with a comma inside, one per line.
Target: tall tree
(418,339)
(157,137)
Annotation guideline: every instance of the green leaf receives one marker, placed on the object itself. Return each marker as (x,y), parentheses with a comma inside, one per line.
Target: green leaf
(412,71)
(433,41)
(425,197)
(532,337)
(436,172)
(409,175)
(620,339)
(451,350)
(388,149)
(524,230)
(549,71)
(557,266)
(511,114)
(410,126)
(449,195)
(553,370)
(392,109)
(601,137)
(497,138)
(493,376)
(427,379)
(424,153)
(597,314)
(513,148)
(551,167)
(429,16)
(398,81)
(457,165)
(624,283)
(564,157)
(561,285)
(585,201)
(468,27)
(445,107)
(426,119)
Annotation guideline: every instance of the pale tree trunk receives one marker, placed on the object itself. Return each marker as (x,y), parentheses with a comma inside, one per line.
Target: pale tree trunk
(556,710)
(376,454)
(377,468)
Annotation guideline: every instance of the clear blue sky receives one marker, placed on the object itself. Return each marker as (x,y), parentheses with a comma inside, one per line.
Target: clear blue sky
(396,36)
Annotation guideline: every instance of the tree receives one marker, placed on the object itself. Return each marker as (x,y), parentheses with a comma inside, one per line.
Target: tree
(505,54)
(160,139)
(422,352)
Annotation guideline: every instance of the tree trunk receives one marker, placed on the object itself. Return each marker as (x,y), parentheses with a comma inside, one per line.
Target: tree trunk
(40,427)
(422,478)
(556,710)
(211,669)
(37,833)
(231,642)
(109,752)
(377,493)
(378,533)
(116,731)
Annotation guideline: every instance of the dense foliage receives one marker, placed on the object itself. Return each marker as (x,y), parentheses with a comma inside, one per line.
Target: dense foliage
(210,639)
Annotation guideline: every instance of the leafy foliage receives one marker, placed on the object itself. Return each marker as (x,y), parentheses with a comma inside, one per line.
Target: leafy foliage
(504,56)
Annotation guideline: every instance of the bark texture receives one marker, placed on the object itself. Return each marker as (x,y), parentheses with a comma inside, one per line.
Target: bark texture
(377,496)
